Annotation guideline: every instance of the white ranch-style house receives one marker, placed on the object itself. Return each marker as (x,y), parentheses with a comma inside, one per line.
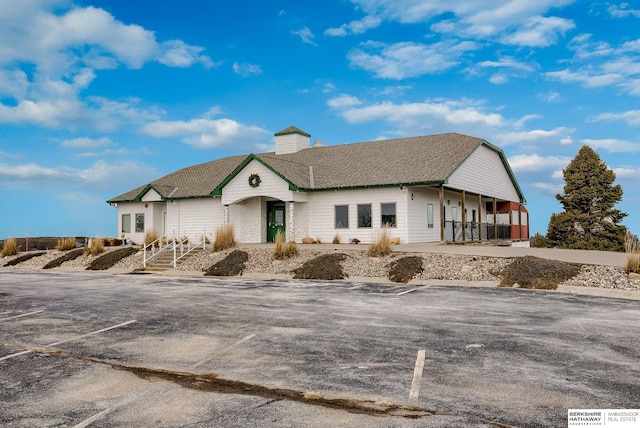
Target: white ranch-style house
(437,188)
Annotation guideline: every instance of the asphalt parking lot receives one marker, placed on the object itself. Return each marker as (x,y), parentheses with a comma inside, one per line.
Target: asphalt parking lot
(91,349)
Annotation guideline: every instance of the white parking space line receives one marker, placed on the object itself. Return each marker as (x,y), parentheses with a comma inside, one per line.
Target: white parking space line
(413,289)
(22,315)
(414,392)
(201,362)
(6,357)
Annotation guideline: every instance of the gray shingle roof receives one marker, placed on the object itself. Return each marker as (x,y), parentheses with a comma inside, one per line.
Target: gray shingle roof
(427,159)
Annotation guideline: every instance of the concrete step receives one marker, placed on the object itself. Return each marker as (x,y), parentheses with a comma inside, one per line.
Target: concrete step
(164,260)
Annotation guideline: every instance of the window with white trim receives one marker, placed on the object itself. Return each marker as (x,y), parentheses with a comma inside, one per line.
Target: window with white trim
(126,223)
(388,215)
(342,216)
(430,216)
(139,223)
(364,215)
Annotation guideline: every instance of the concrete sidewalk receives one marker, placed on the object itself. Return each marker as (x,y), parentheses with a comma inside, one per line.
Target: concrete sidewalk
(588,257)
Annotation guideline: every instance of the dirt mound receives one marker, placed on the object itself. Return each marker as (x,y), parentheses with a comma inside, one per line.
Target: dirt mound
(24,258)
(109,259)
(534,272)
(325,267)
(232,265)
(404,269)
(71,255)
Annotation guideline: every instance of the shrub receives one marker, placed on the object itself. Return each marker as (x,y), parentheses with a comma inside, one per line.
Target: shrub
(96,246)
(224,238)
(284,250)
(336,239)
(10,247)
(65,244)
(632,247)
(150,237)
(534,272)
(539,241)
(108,260)
(381,246)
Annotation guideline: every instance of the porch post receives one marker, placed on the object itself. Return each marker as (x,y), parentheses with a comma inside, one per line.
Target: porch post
(479,217)
(441,191)
(226,214)
(292,221)
(495,219)
(464,216)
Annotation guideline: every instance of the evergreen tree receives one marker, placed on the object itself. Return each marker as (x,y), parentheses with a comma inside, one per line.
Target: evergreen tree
(590,219)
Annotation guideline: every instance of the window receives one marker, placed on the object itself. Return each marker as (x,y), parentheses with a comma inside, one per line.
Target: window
(139,222)
(342,216)
(430,216)
(126,223)
(388,215)
(364,215)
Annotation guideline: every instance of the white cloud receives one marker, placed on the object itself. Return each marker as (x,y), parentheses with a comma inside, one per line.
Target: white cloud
(305,35)
(612,66)
(632,117)
(538,136)
(99,175)
(177,53)
(87,143)
(627,173)
(549,97)
(204,133)
(613,145)
(409,59)
(55,51)
(355,27)
(415,118)
(623,11)
(539,32)
(519,22)
(343,101)
(535,162)
(548,188)
(246,70)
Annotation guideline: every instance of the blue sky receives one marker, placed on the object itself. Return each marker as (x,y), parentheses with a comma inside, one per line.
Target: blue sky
(99,97)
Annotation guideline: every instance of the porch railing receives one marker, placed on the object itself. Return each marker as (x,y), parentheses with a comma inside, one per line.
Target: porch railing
(454,231)
(180,247)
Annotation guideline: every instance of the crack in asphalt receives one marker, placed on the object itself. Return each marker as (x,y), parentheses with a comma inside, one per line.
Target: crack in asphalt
(211,382)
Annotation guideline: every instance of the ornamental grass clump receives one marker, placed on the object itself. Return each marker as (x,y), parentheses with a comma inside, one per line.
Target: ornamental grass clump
(381,246)
(150,237)
(10,247)
(336,239)
(65,244)
(284,250)
(96,246)
(224,238)
(632,248)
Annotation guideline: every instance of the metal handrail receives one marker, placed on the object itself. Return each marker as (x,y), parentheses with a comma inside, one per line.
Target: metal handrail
(152,247)
(189,249)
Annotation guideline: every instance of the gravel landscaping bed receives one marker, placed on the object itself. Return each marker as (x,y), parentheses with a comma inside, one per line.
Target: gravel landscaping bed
(356,264)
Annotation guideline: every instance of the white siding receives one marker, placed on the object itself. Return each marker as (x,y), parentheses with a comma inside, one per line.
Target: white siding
(417,215)
(249,220)
(151,196)
(192,217)
(153,218)
(291,143)
(271,185)
(484,173)
(322,214)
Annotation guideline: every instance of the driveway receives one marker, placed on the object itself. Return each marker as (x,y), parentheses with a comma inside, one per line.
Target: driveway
(93,349)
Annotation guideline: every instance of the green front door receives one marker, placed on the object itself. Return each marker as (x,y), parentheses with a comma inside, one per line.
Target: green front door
(275,220)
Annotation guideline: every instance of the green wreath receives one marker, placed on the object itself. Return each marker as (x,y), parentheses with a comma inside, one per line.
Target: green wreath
(254,179)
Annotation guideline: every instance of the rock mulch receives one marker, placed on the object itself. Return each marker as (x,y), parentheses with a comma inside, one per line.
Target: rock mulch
(355,264)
